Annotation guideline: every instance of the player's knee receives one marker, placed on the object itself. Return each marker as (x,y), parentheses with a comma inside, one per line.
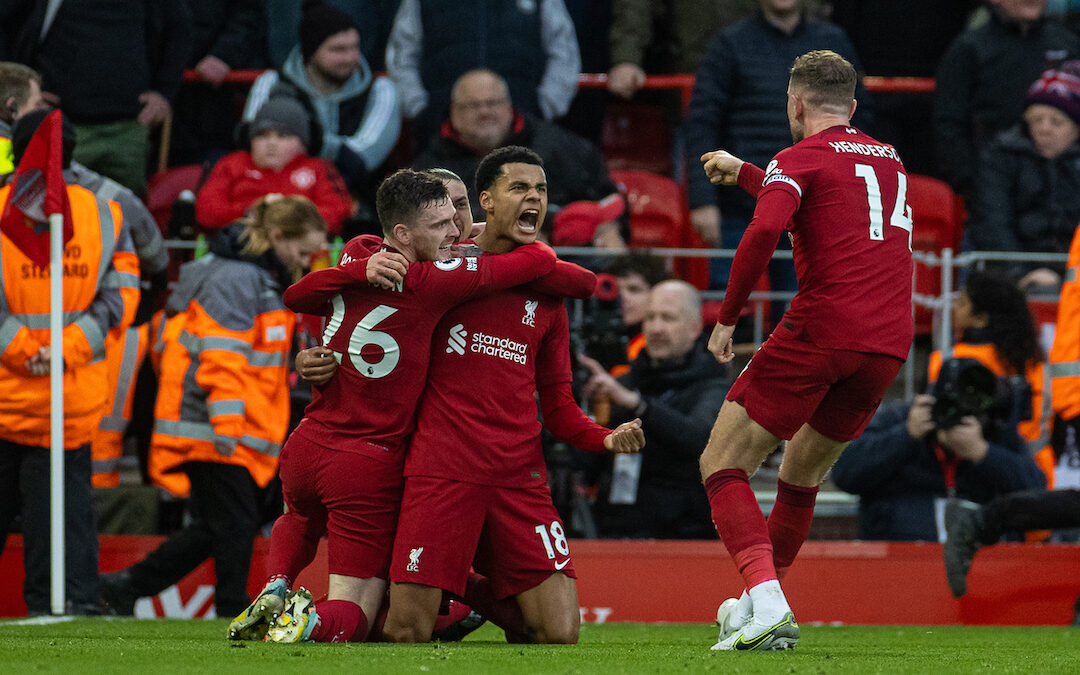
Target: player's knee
(566,633)
(707,463)
(404,633)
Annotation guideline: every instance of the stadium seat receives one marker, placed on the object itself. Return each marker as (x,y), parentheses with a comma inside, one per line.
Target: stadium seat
(938,222)
(636,136)
(659,218)
(165,186)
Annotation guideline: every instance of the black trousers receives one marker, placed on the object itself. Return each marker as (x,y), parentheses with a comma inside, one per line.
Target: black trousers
(1031,510)
(225,507)
(24,484)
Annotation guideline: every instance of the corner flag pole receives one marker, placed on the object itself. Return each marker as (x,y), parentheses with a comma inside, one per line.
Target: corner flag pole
(56,409)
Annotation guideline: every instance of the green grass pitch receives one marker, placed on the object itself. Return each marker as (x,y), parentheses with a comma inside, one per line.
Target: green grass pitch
(85,646)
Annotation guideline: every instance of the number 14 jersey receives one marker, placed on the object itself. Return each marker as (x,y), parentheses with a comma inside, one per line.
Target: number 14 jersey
(851,240)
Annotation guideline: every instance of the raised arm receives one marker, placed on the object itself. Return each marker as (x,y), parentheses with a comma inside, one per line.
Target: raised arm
(567,280)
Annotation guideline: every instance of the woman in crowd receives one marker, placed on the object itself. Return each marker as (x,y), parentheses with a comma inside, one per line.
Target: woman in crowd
(223,401)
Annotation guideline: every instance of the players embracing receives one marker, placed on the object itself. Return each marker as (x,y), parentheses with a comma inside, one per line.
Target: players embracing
(472,413)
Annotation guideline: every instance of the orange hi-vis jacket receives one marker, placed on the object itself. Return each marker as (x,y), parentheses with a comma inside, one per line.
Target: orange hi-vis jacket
(223,395)
(124,352)
(100,294)
(1036,430)
(1064,359)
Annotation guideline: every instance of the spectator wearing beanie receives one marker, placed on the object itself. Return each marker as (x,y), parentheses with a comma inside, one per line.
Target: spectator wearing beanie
(1027,190)
(358,112)
(277,162)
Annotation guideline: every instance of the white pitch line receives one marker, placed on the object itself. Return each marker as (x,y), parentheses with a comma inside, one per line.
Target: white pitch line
(38,621)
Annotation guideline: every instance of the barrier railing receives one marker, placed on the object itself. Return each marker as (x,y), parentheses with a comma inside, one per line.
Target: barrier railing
(681,82)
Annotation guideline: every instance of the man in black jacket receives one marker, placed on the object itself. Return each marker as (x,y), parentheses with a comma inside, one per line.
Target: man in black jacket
(112,66)
(676,387)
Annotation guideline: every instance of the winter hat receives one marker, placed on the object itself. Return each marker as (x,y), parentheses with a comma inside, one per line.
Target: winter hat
(1060,88)
(575,224)
(285,115)
(319,22)
(24,130)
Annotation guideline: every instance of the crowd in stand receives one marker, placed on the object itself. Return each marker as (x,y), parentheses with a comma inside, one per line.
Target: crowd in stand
(354,89)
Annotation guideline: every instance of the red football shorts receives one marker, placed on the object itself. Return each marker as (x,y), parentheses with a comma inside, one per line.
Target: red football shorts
(511,535)
(356,491)
(791,382)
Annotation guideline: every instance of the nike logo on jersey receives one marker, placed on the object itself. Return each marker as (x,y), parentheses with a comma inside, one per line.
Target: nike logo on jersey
(560,565)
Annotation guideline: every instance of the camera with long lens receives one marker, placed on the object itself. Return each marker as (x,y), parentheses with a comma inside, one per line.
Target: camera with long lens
(964,387)
(596,326)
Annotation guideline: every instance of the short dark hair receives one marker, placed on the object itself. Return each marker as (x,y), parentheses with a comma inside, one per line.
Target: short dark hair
(404,194)
(491,166)
(825,78)
(652,268)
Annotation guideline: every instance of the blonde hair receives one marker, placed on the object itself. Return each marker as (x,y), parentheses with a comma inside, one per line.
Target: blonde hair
(293,215)
(825,79)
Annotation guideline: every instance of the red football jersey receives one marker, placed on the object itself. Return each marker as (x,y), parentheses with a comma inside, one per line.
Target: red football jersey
(478,419)
(382,339)
(851,240)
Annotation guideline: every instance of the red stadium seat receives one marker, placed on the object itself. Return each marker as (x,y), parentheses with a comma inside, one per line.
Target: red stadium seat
(165,186)
(938,222)
(636,136)
(659,218)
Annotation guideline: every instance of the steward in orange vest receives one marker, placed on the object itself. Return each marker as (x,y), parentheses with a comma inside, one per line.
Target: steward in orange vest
(222,410)
(100,294)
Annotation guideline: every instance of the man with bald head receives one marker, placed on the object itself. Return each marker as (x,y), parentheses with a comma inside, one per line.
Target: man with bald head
(483,117)
(676,387)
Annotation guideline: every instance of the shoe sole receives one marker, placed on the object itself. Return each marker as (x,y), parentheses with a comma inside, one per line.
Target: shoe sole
(263,612)
(782,636)
(296,604)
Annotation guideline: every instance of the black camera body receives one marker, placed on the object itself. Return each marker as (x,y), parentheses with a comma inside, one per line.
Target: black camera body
(964,387)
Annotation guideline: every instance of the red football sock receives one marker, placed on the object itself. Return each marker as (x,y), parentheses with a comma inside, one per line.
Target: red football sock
(741,525)
(789,523)
(455,611)
(505,613)
(340,621)
(293,543)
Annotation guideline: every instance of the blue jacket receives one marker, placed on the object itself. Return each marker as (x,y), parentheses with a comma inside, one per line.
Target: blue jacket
(898,478)
(740,94)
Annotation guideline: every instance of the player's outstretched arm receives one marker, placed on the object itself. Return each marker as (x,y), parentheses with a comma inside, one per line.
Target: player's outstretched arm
(311,293)
(567,280)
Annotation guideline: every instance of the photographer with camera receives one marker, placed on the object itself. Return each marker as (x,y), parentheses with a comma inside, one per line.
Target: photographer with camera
(958,441)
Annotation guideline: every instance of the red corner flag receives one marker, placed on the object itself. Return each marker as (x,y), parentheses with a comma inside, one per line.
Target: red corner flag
(38,191)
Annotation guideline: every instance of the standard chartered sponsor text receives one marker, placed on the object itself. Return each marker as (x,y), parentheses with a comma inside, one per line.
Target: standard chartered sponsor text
(503,348)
